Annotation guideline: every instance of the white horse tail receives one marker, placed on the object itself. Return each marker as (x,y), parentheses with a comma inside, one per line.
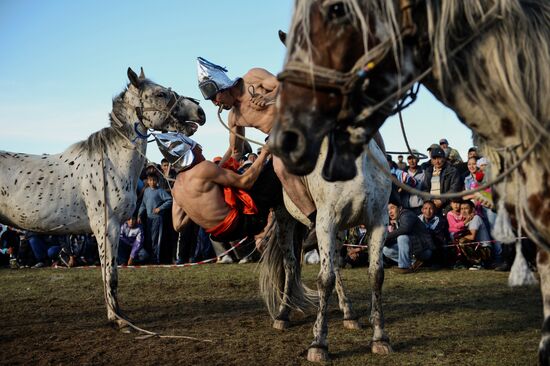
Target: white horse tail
(281,286)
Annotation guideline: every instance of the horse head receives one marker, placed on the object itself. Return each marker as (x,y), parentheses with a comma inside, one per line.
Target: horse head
(160,108)
(343,67)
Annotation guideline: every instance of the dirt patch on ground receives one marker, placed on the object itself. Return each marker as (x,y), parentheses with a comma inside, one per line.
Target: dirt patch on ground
(57,316)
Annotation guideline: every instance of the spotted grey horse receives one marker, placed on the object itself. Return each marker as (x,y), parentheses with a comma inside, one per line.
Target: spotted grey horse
(91,186)
(340,205)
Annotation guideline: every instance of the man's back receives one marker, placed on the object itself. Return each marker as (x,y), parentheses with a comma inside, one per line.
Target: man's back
(256,105)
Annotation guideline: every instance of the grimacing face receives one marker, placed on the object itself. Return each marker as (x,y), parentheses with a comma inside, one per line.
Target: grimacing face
(393,211)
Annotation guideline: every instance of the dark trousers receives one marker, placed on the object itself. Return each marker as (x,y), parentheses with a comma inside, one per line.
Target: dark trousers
(154,234)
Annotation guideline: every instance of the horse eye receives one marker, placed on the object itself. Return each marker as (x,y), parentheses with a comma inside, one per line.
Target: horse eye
(160,95)
(336,11)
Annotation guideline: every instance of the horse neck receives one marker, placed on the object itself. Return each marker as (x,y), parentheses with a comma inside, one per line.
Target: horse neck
(127,146)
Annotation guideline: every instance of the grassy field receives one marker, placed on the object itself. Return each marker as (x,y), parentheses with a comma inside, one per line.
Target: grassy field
(57,316)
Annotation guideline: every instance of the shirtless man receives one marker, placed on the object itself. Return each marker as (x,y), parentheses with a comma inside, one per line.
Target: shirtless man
(201,194)
(251,102)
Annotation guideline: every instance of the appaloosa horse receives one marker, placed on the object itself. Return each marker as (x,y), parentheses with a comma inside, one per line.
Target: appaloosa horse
(340,205)
(91,186)
(350,64)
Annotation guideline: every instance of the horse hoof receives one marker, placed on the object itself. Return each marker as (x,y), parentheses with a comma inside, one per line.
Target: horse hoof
(317,355)
(281,324)
(381,348)
(352,324)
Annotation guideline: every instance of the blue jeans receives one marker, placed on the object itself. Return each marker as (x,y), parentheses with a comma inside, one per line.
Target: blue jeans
(154,229)
(401,253)
(42,250)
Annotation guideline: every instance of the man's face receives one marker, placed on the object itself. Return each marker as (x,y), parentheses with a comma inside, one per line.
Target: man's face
(465,210)
(443,145)
(393,211)
(472,154)
(412,162)
(428,211)
(165,166)
(438,162)
(224,99)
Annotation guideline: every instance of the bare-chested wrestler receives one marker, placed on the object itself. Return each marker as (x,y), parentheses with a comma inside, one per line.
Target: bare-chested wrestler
(251,103)
(227,205)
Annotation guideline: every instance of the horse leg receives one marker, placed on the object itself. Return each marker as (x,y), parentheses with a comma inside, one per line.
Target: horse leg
(380,340)
(543,267)
(107,241)
(350,318)
(318,350)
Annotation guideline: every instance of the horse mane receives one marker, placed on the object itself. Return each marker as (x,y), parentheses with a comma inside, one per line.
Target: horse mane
(107,136)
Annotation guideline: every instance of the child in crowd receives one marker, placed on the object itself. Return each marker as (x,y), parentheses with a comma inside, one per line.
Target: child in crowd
(130,249)
(455,219)
(154,202)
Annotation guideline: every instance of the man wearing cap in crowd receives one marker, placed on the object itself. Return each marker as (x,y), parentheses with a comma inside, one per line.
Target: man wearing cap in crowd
(251,102)
(451,154)
(440,177)
(228,205)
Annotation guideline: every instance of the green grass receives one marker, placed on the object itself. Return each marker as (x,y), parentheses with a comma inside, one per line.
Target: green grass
(57,316)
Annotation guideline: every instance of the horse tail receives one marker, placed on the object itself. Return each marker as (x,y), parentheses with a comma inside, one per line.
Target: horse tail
(272,268)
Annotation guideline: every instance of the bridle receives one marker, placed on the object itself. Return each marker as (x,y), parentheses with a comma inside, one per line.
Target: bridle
(346,83)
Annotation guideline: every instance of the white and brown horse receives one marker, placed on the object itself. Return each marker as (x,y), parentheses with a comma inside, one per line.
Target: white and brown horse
(91,186)
(351,63)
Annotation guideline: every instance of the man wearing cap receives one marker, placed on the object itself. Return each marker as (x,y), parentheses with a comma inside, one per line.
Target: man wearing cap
(229,206)
(452,154)
(251,102)
(441,177)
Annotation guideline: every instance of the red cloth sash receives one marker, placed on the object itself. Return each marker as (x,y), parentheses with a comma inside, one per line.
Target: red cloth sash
(239,202)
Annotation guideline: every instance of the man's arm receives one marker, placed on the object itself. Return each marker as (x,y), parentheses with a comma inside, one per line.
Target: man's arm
(179,217)
(227,178)
(236,144)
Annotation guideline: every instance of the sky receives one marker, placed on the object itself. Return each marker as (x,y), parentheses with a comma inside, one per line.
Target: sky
(63,61)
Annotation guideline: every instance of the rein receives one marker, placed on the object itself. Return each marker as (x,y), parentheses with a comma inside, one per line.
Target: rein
(236,133)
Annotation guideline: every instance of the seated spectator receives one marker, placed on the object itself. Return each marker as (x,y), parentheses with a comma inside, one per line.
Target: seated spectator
(407,239)
(9,246)
(81,250)
(437,227)
(454,219)
(476,233)
(130,245)
(45,248)
(356,256)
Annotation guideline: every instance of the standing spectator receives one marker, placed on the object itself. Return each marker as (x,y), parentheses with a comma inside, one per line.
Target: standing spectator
(400,163)
(440,177)
(154,202)
(451,154)
(168,175)
(407,238)
(428,163)
(413,201)
(130,245)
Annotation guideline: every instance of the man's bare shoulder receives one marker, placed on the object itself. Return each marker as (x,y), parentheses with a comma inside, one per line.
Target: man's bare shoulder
(256,75)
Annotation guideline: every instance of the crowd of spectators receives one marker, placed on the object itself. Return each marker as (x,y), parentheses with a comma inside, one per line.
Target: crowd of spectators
(441,233)
(452,233)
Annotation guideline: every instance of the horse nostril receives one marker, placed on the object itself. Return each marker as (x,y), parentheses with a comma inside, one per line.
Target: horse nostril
(202,115)
(289,141)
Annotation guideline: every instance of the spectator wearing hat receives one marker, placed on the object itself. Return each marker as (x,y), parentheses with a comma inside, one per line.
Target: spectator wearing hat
(425,165)
(451,154)
(407,239)
(413,201)
(441,177)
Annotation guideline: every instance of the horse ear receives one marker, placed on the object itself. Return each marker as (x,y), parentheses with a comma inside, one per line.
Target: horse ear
(282,36)
(142,74)
(134,80)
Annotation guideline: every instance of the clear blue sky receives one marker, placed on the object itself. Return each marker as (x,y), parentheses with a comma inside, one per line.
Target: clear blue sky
(63,61)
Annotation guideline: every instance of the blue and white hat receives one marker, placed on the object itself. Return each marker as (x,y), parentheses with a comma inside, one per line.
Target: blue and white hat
(212,78)
(176,148)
